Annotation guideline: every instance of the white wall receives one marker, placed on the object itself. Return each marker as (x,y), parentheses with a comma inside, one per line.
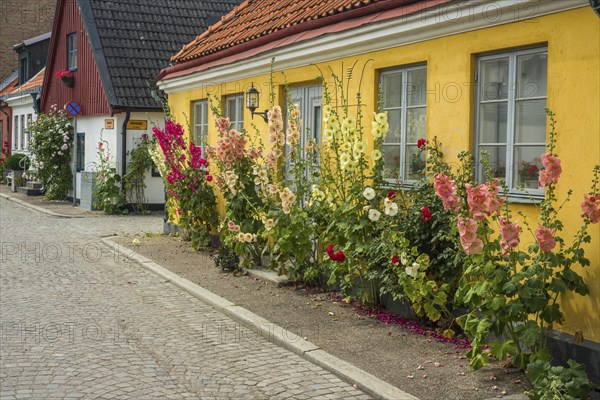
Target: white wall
(22,107)
(94,129)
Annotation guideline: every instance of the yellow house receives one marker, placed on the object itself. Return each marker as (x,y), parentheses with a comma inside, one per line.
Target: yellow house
(476,74)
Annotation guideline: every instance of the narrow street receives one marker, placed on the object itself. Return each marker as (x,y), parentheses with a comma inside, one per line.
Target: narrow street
(79,321)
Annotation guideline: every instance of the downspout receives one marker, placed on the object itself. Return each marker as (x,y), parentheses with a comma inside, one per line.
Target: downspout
(74,163)
(124,149)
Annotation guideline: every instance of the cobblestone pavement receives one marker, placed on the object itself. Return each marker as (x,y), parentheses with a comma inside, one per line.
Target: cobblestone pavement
(78,322)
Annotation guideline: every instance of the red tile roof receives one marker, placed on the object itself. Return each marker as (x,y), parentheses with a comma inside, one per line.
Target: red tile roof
(33,83)
(10,87)
(254,19)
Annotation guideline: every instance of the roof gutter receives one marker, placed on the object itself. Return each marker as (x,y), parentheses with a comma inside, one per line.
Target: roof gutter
(283,33)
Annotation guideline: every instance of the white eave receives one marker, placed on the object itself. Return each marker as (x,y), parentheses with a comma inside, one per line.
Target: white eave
(444,20)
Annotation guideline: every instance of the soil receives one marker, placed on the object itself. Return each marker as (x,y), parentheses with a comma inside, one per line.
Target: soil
(415,363)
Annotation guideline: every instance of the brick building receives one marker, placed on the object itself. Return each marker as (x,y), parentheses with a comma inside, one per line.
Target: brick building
(20,20)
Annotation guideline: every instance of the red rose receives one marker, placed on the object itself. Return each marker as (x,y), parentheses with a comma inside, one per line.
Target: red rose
(425,214)
(395,260)
(330,249)
(391,194)
(209,178)
(340,256)
(421,142)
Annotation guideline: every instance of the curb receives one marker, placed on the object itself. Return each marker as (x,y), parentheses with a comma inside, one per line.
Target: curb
(365,381)
(38,208)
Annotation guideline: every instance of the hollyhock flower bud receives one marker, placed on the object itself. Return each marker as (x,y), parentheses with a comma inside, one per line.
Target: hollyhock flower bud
(544,237)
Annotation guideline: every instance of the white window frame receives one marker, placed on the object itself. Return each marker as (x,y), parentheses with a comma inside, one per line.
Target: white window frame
(238,98)
(404,71)
(72,51)
(15,133)
(512,101)
(200,122)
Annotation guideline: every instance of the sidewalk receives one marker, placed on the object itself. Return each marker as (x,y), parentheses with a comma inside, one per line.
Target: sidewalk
(64,209)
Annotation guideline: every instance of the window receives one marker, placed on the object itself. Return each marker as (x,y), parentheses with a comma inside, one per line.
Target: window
(404,100)
(22,133)
(511,122)
(72,51)
(234,110)
(80,157)
(27,133)
(23,73)
(200,118)
(15,133)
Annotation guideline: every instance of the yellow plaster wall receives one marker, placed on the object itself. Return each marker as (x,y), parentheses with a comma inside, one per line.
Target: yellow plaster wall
(572,38)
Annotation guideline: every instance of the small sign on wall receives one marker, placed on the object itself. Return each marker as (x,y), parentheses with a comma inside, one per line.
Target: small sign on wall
(137,124)
(109,124)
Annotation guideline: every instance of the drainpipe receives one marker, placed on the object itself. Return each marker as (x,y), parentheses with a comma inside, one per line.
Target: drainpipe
(74,163)
(124,149)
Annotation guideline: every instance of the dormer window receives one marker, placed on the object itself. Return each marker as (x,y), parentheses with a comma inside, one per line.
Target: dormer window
(72,51)
(23,65)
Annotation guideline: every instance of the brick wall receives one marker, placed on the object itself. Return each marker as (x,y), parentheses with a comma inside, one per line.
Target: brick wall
(20,20)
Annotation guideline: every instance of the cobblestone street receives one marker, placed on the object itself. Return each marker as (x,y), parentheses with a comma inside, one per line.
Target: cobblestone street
(79,321)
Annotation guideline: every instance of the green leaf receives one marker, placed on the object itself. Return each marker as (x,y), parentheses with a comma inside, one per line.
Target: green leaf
(479,361)
(501,350)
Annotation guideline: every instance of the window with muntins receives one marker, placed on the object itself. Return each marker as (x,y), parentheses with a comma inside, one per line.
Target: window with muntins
(234,110)
(72,51)
(23,70)
(510,120)
(200,118)
(404,91)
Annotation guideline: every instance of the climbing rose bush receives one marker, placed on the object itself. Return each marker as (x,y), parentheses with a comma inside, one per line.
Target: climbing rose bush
(50,146)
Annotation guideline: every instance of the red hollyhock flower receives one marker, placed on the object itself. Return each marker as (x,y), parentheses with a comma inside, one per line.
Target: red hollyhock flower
(425,214)
(330,249)
(395,260)
(421,142)
(391,194)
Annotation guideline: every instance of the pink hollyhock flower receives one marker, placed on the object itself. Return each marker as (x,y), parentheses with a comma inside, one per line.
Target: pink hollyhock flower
(467,229)
(224,124)
(425,213)
(545,238)
(421,142)
(445,190)
(591,207)
(510,235)
(551,172)
(477,200)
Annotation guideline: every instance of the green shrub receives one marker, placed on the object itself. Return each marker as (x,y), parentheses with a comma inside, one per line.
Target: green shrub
(14,162)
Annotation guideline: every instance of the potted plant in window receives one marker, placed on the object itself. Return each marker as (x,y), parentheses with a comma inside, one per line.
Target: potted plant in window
(66,77)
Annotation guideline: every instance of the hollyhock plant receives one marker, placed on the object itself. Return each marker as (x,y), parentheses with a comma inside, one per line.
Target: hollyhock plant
(512,292)
(445,189)
(185,173)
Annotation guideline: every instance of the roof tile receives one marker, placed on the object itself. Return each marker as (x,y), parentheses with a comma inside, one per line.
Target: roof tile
(253,19)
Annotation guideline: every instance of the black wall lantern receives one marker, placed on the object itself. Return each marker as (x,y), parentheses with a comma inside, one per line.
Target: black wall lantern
(253,101)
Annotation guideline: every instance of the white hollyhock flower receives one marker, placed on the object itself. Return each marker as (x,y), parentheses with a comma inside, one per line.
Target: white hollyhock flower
(374,215)
(391,209)
(412,270)
(369,193)
(376,155)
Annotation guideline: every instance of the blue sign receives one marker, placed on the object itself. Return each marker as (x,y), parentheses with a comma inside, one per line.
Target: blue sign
(73,108)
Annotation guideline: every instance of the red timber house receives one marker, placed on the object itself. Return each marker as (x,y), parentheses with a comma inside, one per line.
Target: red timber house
(110,52)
